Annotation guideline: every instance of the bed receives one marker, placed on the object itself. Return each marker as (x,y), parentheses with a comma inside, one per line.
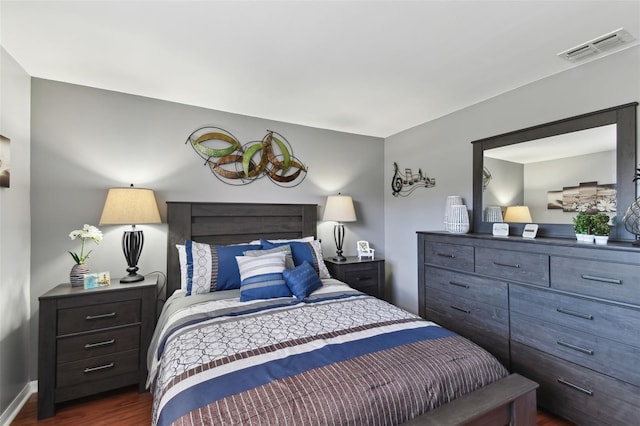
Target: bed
(330,355)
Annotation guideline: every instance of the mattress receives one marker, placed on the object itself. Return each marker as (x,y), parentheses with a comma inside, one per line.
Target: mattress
(338,357)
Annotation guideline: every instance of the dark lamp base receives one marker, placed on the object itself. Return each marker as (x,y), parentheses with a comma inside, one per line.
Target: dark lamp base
(340,258)
(132,279)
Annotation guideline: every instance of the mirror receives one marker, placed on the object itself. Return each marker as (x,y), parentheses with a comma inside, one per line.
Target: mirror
(555,169)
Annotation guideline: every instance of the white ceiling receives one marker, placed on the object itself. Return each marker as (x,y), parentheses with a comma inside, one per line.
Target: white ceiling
(366,67)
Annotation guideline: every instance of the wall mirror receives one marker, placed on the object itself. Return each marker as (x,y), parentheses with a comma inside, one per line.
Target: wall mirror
(556,169)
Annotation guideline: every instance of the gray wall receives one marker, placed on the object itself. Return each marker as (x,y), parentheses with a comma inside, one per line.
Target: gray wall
(442,148)
(507,184)
(86,140)
(15,243)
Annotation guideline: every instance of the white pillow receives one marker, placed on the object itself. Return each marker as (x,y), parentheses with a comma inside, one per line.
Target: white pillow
(182,258)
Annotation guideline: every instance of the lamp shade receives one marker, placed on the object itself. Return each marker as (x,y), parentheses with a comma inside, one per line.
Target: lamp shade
(130,206)
(518,214)
(339,208)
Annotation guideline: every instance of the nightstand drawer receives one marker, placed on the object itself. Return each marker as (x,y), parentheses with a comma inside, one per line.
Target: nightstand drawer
(600,279)
(97,368)
(98,343)
(531,268)
(361,276)
(450,255)
(94,317)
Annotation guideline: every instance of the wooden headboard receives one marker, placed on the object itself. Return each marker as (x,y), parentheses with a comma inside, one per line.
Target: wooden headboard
(232,223)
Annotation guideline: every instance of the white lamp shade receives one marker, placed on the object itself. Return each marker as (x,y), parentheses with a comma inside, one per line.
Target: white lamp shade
(517,214)
(130,206)
(339,208)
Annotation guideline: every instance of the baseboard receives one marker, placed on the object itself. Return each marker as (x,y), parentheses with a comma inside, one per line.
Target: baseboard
(18,402)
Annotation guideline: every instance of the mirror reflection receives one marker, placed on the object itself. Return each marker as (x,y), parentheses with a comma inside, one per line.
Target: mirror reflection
(554,177)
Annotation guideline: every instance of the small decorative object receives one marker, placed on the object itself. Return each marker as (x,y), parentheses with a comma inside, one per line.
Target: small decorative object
(5,171)
(364,250)
(458,219)
(452,200)
(493,214)
(339,208)
(500,229)
(601,228)
(405,183)
(100,279)
(582,226)
(237,164)
(130,206)
(530,230)
(76,277)
(631,218)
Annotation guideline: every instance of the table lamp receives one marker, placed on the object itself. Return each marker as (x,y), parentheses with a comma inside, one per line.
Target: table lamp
(339,208)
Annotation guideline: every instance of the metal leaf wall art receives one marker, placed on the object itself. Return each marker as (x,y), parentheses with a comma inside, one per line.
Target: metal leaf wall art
(404,184)
(237,164)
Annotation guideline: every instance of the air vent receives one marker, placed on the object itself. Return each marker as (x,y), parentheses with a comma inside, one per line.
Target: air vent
(597,46)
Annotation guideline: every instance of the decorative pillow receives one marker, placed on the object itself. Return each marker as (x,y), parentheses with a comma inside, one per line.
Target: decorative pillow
(286,249)
(211,268)
(302,280)
(311,251)
(182,259)
(262,276)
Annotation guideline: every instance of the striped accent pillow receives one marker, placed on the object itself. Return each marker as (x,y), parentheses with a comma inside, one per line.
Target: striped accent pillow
(261,277)
(311,251)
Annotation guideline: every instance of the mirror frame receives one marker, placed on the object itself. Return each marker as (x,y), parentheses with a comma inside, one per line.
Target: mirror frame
(624,116)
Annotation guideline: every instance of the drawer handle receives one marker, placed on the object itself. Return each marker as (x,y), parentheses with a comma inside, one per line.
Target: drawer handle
(508,265)
(446,255)
(574,313)
(98,344)
(101,316)
(601,279)
(459,284)
(363,278)
(101,367)
(458,308)
(575,348)
(576,387)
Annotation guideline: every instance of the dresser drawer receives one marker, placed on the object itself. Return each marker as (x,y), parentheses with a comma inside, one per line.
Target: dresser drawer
(97,368)
(607,320)
(577,393)
(531,268)
(453,256)
(614,281)
(485,290)
(93,317)
(98,343)
(597,353)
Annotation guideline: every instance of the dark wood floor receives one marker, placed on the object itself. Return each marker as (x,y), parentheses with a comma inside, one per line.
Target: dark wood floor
(127,407)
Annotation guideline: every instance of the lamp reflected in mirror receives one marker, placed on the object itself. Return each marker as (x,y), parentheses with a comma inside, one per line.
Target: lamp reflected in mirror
(518,214)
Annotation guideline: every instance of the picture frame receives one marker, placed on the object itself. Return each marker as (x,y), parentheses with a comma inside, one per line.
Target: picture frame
(364,250)
(95,280)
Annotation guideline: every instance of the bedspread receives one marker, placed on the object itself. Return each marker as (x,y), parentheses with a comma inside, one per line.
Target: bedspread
(339,357)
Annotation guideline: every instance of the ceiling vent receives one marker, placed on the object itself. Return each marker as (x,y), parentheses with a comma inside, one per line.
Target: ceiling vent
(597,46)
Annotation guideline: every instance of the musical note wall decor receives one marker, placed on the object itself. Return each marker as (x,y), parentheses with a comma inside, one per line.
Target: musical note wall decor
(403,184)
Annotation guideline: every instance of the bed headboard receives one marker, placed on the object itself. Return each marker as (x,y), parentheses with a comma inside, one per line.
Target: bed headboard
(232,223)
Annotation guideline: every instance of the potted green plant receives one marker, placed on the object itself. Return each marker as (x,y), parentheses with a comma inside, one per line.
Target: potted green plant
(601,228)
(582,225)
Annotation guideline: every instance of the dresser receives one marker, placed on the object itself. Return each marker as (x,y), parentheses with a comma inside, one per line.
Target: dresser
(94,340)
(365,275)
(564,314)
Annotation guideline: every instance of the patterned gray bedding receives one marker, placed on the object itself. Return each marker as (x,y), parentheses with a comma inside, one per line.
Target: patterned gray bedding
(338,357)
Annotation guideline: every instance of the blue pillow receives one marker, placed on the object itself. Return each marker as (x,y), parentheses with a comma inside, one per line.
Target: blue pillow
(211,268)
(302,280)
(262,277)
(310,251)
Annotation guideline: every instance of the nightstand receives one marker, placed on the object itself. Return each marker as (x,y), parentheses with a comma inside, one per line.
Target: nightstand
(365,275)
(95,340)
